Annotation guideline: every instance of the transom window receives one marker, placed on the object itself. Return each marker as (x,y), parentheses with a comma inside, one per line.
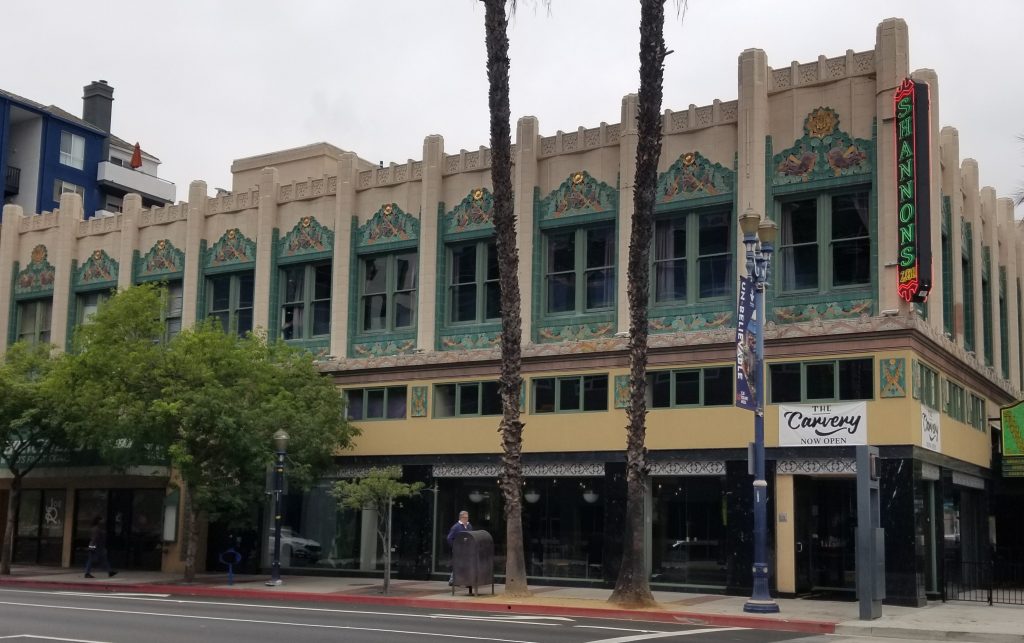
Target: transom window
(379,403)
(581,256)
(466,399)
(690,387)
(572,393)
(388,294)
(692,258)
(72,150)
(229,299)
(306,301)
(89,303)
(832,380)
(824,242)
(473,292)
(34,321)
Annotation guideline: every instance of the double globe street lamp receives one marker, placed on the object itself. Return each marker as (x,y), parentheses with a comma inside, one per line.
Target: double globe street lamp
(759,238)
(281,449)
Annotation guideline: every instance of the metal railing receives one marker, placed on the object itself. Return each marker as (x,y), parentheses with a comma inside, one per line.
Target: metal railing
(989,582)
(12,180)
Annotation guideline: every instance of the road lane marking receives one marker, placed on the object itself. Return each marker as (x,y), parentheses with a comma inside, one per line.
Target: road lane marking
(262,622)
(618,629)
(114,594)
(665,635)
(47,638)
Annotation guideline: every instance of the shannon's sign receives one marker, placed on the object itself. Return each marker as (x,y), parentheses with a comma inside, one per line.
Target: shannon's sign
(913,188)
(826,424)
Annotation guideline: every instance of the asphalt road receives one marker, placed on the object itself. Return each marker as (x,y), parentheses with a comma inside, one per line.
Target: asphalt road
(35,616)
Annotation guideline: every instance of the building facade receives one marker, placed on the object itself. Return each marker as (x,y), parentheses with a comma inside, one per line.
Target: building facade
(387,275)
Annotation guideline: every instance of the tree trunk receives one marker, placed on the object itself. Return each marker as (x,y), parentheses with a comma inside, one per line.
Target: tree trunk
(12,506)
(387,549)
(632,587)
(191,537)
(496,25)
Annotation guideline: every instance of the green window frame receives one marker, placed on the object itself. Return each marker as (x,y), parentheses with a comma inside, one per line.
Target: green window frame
(35,317)
(837,380)
(929,387)
(947,268)
(229,298)
(467,399)
(305,300)
(986,305)
(824,242)
(955,401)
(967,273)
(376,403)
(1004,329)
(172,295)
(570,394)
(692,257)
(691,387)
(976,412)
(473,292)
(88,303)
(387,291)
(579,270)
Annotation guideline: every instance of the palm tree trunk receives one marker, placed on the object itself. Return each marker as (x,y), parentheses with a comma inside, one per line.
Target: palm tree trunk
(12,506)
(632,586)
(496,25)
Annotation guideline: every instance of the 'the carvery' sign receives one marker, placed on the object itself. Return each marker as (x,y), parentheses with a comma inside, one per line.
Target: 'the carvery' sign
(913,187)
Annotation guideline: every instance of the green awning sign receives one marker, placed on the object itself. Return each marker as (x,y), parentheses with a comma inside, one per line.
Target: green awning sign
(1013,429)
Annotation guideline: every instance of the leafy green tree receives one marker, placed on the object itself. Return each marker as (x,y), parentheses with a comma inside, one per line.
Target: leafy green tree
(210,401)
(377,492)
(31,429)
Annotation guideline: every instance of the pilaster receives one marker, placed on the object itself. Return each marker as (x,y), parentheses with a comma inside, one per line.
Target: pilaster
(430,198)
(69,215)
(991,241)
(195,227)
(9,238)
(341,279)
(266,221)
(752,134)
(524,182)
(1008,258)
(130,212)
(951,187)
(972,213)
(628,141)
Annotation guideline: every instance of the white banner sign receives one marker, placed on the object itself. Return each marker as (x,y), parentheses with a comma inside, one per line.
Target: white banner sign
(826,424)
(930,438)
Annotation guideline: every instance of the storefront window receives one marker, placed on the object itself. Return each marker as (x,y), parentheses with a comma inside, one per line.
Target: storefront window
(40,533)
(315,533)
(688,532)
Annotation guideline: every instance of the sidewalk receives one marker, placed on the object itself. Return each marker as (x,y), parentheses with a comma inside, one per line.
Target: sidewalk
(938,621)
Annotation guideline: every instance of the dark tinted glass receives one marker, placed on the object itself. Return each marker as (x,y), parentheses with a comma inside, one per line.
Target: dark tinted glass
(821,381)
(856,379)
(687,387)
(569,394)
(595,393)
(544,395)
(718,386)
(785,380)
(660,386)
(396,402)
(490,399)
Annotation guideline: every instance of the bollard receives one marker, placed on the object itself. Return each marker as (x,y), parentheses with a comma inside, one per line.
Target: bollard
(233,558)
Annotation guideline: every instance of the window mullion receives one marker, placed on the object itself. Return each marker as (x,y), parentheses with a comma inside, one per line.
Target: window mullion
(580,268)
(480,281)
(390,285)
(692,226)
(824,242)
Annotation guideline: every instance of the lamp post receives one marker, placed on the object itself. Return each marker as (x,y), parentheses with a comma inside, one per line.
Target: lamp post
(759,238)
(281,448)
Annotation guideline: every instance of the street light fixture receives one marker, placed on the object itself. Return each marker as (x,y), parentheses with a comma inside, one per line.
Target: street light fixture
(759,238)
(281,448)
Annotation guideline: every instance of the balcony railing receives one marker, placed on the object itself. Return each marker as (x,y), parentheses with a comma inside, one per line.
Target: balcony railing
(131,180)
(12,180)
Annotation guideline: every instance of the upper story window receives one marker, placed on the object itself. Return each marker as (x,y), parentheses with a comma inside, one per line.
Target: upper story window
(306,301)
(955,401)
(171,314)
(34,321)
(467,399)
(388,285)
(379,403)
(692,258)
(579,270)
(929,387)
(824,242)
(824,381)
(473,293)
(61,187)
(570,393)
(229,298)
(976,412)
(89,303)
(72,150)
(690,387)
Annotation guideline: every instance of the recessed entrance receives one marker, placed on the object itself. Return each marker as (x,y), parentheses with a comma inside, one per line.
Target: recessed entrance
(825,532)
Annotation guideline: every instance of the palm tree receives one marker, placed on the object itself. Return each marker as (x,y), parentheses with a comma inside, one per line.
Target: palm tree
(632,587)
(511,428)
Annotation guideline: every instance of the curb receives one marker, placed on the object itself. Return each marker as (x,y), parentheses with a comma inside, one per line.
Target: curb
(882,631)
(659,616)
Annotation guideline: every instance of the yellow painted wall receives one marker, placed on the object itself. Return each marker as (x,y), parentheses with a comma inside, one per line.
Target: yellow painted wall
(785,534)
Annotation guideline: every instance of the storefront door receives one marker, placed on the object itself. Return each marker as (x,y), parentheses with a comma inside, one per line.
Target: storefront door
(133,518)
(825,526)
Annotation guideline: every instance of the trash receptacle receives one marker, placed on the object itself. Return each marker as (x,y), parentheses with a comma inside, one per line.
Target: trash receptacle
(473,560)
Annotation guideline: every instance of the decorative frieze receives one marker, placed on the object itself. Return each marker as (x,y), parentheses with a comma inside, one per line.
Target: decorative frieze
(530,470)
(823,310)
(390,224)
(688,323)
(575,332)
(579,194)
(824,152)
(469,341)
(233,247)
(162,259)
(693,176)
(475,212)
(816,466)
(38,275)
(99,268)
(688,468)
(307,237)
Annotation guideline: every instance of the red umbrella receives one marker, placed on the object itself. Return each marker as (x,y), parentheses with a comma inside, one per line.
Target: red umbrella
(136,157)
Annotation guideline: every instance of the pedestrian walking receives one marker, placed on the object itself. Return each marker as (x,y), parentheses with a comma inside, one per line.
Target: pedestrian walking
(98,548)
(461,525)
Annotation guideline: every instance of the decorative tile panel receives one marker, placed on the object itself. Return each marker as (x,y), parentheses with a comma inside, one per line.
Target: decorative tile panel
(232,248)
(824,152)
(575,332)
(381,348)
(162,259)
(701,321)
(389,224)
(823,311)
(693,176)
(816,466)
(307,237)
(892,377)
(38,275)
(578,195)
(621,391)
(470,341)
(418,407)
(688,468)
(475,212)
(530,470)
(98,268)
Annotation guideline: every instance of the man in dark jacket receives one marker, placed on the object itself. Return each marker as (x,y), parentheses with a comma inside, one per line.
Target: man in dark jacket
(461,525)
(98,548)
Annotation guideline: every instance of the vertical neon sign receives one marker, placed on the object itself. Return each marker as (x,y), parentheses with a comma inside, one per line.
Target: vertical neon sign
(913,189)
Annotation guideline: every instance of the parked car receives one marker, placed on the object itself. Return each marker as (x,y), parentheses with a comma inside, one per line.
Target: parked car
(295,548)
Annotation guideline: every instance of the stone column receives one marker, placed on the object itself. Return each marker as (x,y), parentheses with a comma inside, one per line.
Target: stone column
(130,214)
(991,240)
(195,229)
(524,182)
(1008,258)
(430,198)
(972,214)
(266,221)
(892,51)
(9,237)
(341,279)
(69,215)
(950,154)
(751,132)
(935,298)
(628,141)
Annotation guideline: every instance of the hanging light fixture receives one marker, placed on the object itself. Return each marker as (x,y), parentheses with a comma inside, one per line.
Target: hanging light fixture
(531,496)
(475,496)
(590,496)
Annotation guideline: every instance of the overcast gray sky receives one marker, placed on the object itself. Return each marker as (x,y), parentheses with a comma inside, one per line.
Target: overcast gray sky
(202,82)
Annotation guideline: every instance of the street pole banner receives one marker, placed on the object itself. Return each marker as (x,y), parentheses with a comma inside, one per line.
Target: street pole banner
(930,437)
(826,424)
(746,344)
